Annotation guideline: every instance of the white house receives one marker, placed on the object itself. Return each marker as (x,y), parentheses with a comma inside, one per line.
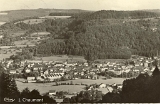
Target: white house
(12,71)
(110,89)
(27,70)
(31,79)
(102,85)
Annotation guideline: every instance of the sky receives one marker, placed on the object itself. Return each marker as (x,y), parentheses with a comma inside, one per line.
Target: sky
(80,4)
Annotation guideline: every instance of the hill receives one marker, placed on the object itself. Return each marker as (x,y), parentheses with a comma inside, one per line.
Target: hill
(25,13)
(98,35)
(109,36)
(153,10)
(112,14)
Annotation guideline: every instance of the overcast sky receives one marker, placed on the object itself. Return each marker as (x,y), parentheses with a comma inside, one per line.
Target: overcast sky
(80,4)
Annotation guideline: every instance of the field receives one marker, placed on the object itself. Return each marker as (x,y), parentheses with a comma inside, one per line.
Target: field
(39,34)
(98,81)
(4,56)
(1,23)
(18,33)
(24,43)
(21,14)
(55,17)
(109,60)
(43,88)
(62,58)
(32,21)
(25,13)
(6,53)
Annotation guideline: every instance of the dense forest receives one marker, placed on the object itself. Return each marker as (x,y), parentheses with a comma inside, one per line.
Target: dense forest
(102,34)
(107,38)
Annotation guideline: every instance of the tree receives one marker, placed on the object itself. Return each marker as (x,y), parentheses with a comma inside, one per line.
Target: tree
(73,99)
(25,93)
(47,99)
(111,98)
(8,87)
(156,71)
(35,94)
(66,100)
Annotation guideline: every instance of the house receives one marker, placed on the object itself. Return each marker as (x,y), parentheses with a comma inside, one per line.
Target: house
(52,92)
(40,78)
(103,69)
(58,64)
(119,86)
(82,73)
(27,70)
(12,71)
(85,64)
(95,77)
(90,88)
(109,88)
(46,72)
(102,85)
(30,78)
(52,77)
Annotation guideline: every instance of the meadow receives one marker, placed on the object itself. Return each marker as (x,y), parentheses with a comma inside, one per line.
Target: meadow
(45,87)
(109,60)
(39,34)
(6,53)
(32,21)
(1,23)
(62,58)
(18,33)
(24,43)
(55,17)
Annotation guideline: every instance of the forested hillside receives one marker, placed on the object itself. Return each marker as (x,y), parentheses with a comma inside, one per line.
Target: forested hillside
(102,34)
(112,37)
(112,14)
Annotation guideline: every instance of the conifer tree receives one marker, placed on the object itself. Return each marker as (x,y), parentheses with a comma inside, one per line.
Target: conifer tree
(156,71)
(8,87)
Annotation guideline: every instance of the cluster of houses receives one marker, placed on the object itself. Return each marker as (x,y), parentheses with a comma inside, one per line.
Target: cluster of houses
(109,87)
(136,64)
(52,70)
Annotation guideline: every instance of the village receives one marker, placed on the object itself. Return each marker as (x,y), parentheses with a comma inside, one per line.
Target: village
(71,73)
